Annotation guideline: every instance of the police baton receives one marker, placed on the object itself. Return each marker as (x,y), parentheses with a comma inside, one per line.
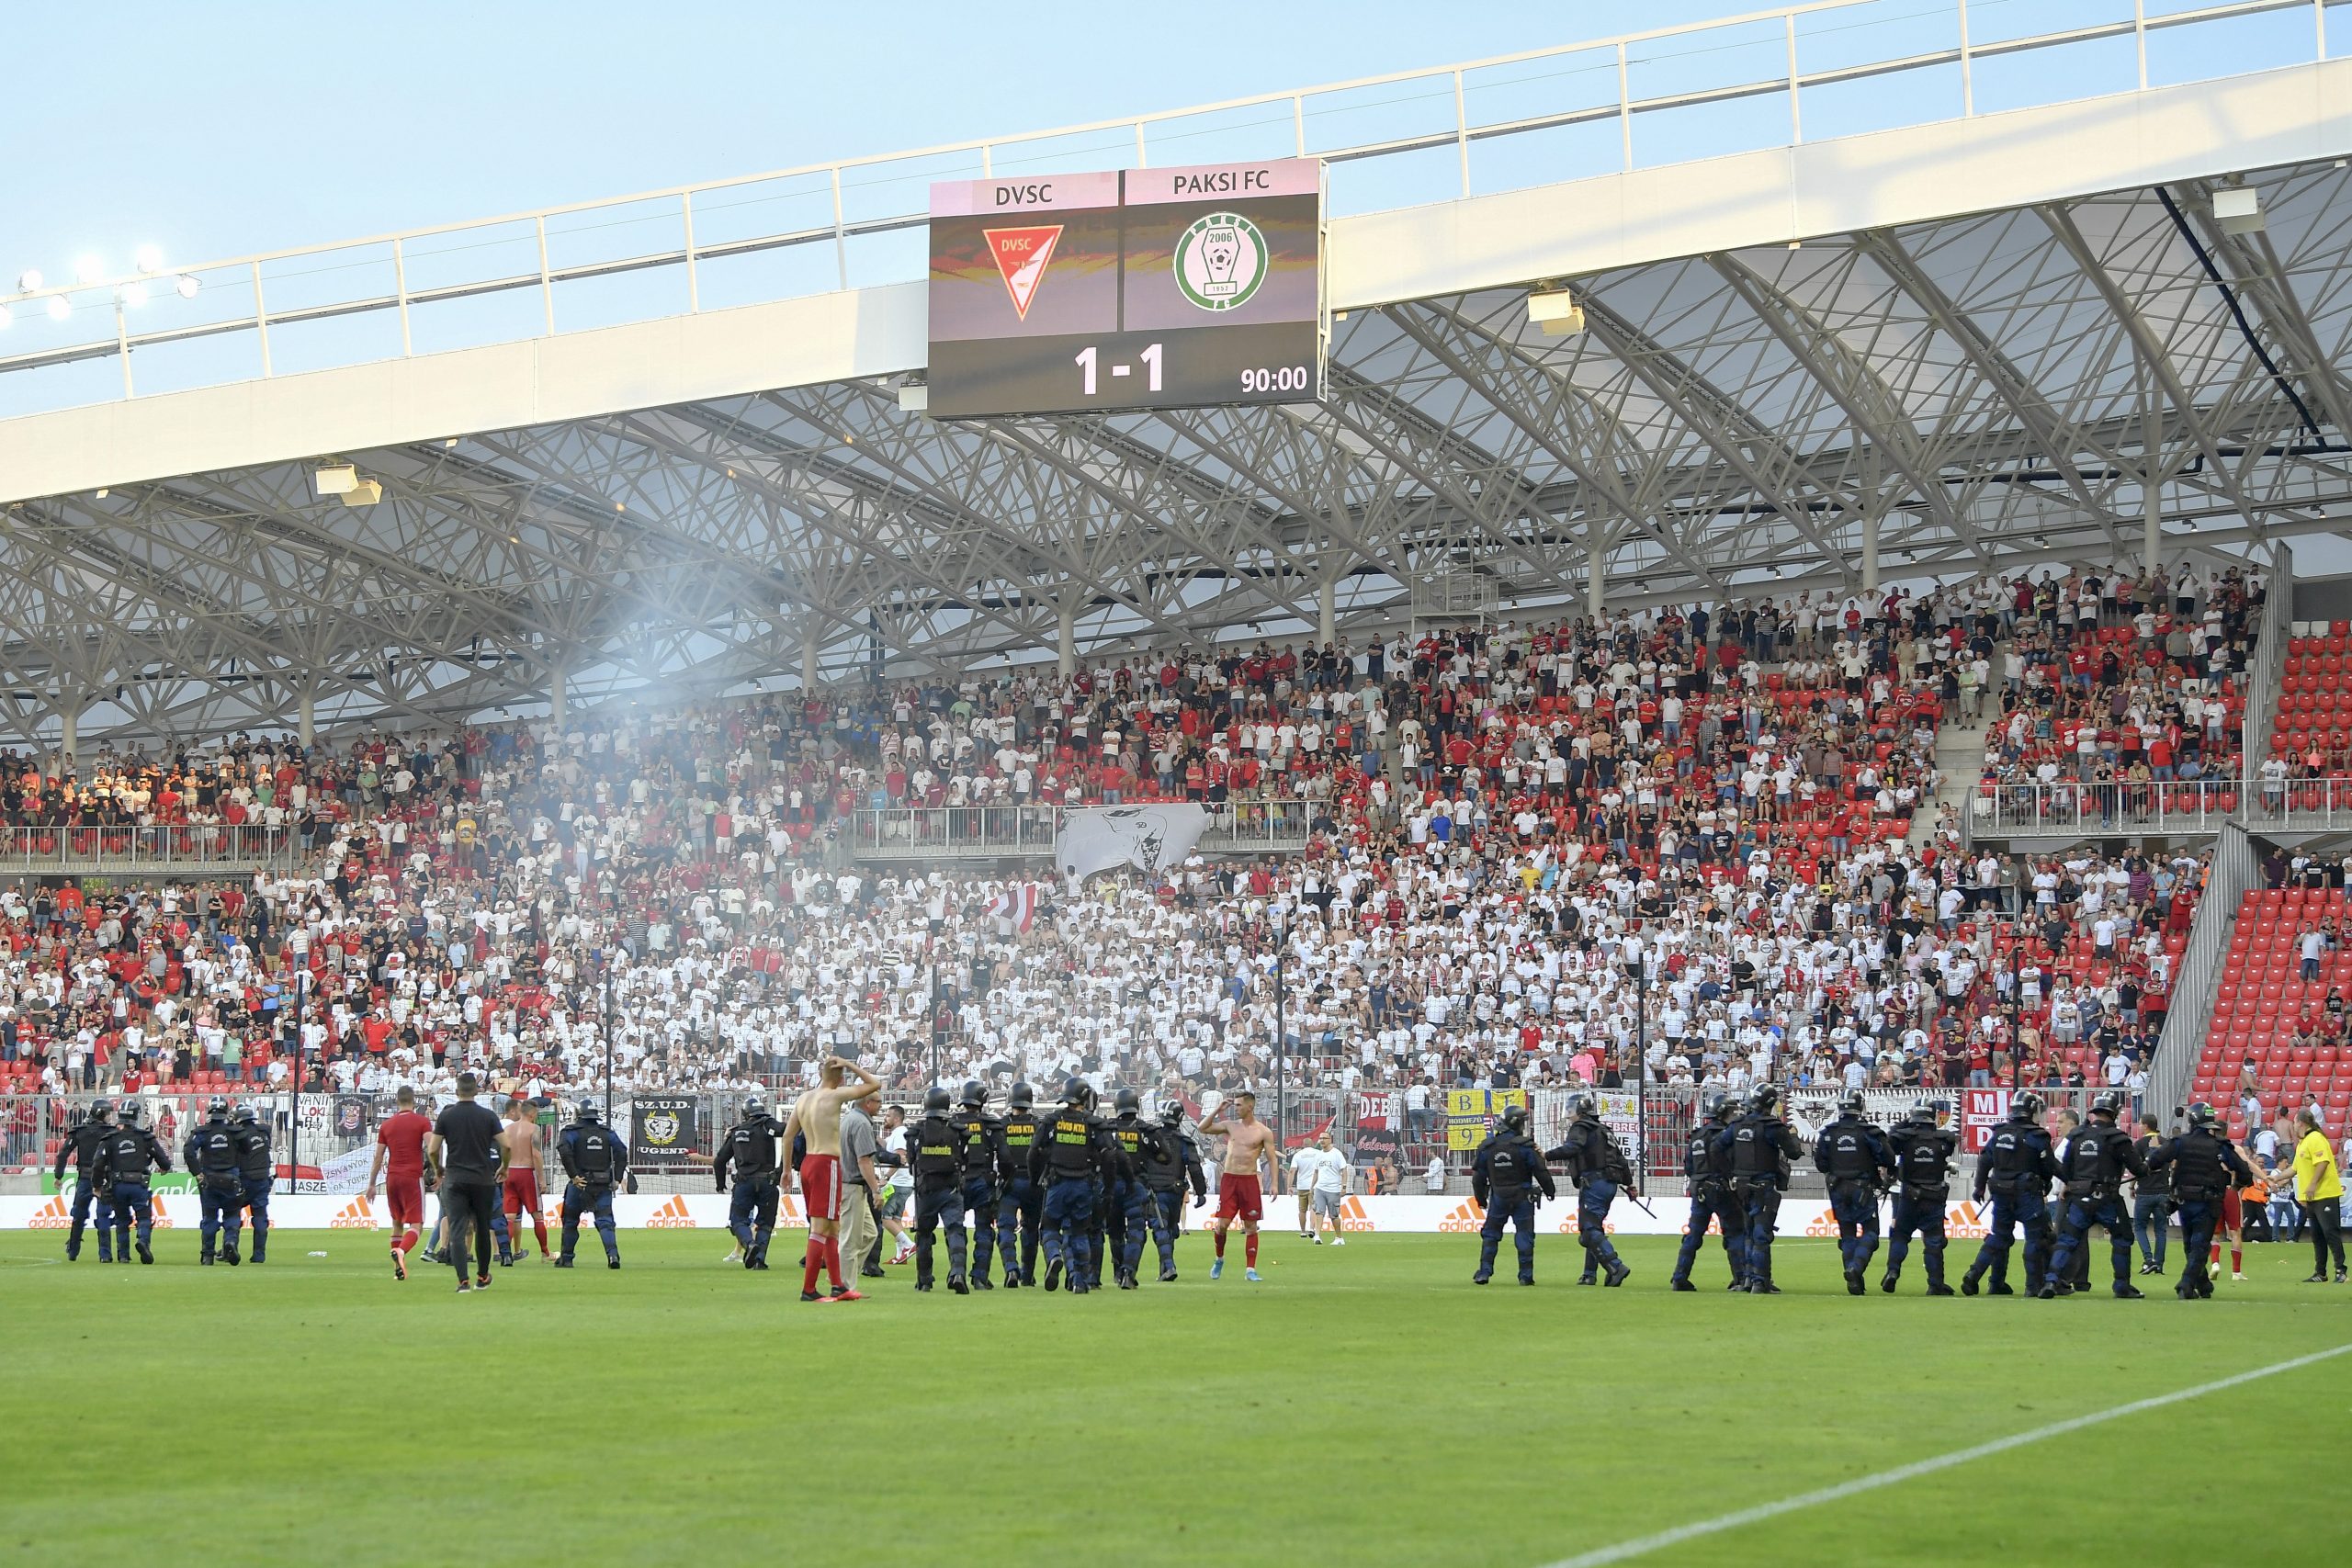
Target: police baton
(1637,1202)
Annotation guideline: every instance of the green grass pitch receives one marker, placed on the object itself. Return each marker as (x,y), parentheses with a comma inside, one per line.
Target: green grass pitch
(1365,1405)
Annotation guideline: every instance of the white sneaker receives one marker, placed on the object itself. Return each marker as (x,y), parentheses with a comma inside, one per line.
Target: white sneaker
(1318,1241)
(2237,1276)
(1338,1241)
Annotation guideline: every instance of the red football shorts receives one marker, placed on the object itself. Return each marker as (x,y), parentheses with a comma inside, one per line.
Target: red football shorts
(1238,1198)
(523,1191)
(820,1186)
(2233,1209)
(406,1196)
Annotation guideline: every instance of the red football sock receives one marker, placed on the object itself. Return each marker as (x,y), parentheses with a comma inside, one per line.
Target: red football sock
(1220,1243)
(812,1263)
(2237,1260)
(1249,1248)
(833,1258)
(2215,1261)
(407,1242)
(539,1224)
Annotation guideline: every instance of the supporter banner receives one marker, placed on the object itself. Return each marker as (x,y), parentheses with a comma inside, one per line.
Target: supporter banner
(1980,1111)
(661,1130)
(1149,837)
(1811,1110)
(1380,1119)
(1470,1113)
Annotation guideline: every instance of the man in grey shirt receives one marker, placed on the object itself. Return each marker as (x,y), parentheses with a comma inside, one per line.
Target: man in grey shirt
(860,1183)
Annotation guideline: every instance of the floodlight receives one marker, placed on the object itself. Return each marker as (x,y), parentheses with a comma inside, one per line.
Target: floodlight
(28,280)
(89,269)
(335,478)
(367,493)
(58,307)
(187,286)
(1557,311)
(149,258)
(2239,210)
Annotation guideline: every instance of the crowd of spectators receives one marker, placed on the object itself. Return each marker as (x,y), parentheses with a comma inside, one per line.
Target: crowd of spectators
(1501,818)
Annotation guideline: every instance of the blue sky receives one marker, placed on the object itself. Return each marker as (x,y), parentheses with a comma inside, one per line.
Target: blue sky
(215,130)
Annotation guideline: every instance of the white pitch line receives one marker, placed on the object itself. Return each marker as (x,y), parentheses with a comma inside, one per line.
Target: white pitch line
(1649,1543)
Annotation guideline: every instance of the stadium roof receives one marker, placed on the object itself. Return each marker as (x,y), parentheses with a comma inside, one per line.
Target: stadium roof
(1994,339)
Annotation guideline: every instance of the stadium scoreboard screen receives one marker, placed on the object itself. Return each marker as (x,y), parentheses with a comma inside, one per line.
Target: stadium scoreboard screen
(1137,289)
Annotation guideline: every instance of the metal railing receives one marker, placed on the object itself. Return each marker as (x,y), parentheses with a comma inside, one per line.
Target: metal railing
(2077,810)
(1377,131)
(2235,872)
(186,850)
(2267,675)
(2299,806)
(1003,833)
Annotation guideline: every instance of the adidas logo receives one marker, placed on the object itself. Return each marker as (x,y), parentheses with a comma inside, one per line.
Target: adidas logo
(1715,1227)
(1965,1222)
(1467,1217)
(356,1215)
(55,1214)
(1353,1216)
(789,1216)
(672,1215)
(1568,1226)
(1825,1225)
(162,1220)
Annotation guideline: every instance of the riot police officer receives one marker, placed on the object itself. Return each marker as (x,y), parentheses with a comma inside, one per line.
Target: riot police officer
(1760,1146)
(1020,1200)
(1706,1174)
(2016,1167)
(751,1148)
(936,1151)
(1130,1200)
(2097,1159)
(1597,1167)
(81,1144)
(1170,1160)
(1505,1175)
(594,1162)
(255,1172)
(1922,1154)
(981,1143)
(1070,1159)
(1852,1155)
(211,1154)
(125,1159)
(2203,1165)
(2150,1200)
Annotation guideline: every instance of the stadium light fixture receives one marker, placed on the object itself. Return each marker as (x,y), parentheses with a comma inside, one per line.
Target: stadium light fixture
(335,478)
(2238,210)
(187,286)
(367,493)
(1556,310)
(89,269)
(148,258)
(59,309)
(28,280)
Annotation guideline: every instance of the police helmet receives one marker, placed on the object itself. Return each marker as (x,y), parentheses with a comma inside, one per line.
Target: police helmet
(1021,1097)
(2027,1107)
(2200,1115)
(131,1109)
(1172,1114)
(1585,1107)
(1127,1102)
(1514,1117)
(1923,1116)
(934,1100)
(1851,1102)
(975,1092)
(755,1107)
(590,1111)
(1764,1100)
(1724,1108)
(2108,1102)
(101,1107)
(244,1112)
(1076,1091)
(217,1108)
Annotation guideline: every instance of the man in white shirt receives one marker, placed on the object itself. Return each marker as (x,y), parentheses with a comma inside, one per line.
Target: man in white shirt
(1303,1166)
(1330,1189)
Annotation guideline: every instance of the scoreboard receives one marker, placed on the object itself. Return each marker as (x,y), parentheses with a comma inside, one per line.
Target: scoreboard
(1140,289)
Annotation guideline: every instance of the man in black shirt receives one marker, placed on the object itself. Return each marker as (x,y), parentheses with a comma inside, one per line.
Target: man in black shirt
(465,1144)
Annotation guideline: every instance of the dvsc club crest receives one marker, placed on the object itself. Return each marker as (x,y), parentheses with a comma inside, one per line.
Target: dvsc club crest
(1220,260)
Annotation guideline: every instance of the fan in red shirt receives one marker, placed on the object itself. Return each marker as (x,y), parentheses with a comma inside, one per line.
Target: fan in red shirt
(402,1138)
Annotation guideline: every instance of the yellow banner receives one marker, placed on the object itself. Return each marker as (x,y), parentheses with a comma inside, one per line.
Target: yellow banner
(1470,1113)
